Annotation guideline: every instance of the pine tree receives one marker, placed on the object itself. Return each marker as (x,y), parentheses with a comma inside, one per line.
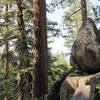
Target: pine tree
(84,11)
(22,45)
(40,75)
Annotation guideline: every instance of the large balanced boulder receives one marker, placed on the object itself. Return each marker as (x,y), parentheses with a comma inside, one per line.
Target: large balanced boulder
(85,54)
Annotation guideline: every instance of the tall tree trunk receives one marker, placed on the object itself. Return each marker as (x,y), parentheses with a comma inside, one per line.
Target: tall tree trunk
(5,98)
(23,83)
(23,59)
(84,11)
(6,65)
(40,69)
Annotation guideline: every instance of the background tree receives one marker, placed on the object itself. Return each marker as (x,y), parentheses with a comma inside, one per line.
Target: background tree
(96,9)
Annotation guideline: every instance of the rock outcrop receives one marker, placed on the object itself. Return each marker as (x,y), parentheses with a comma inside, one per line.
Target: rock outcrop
(76,88)
(85,54)
(85,57)
(80,83)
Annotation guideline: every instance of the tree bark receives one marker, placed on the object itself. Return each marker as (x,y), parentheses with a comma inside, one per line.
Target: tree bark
(40,73)
(84,11)
(6,66)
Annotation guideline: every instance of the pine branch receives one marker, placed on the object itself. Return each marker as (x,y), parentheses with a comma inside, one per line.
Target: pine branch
(68,17)
(3,41)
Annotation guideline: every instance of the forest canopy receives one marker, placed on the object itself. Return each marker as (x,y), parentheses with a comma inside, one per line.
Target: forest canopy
(28,67)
